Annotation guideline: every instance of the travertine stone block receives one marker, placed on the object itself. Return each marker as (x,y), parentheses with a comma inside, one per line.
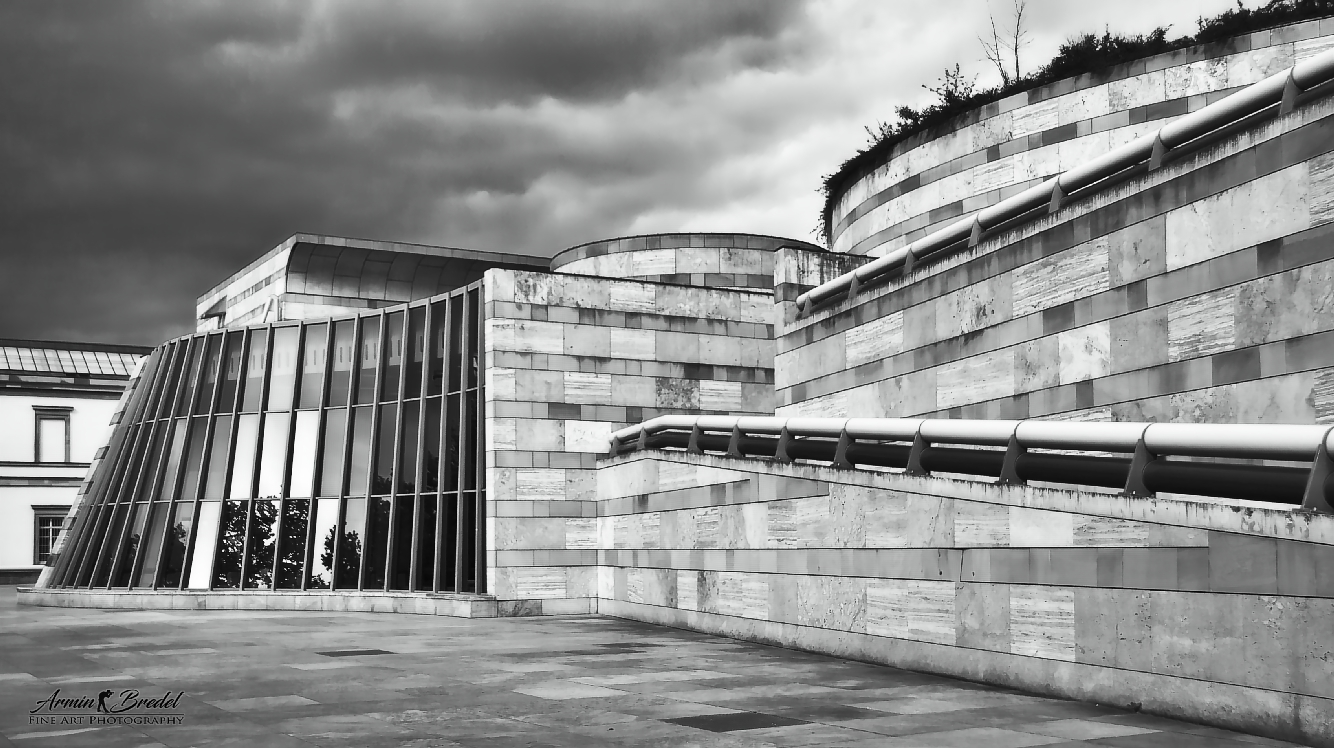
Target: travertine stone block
(1269,207)
(911,609)
(832,603)
(973,308)
(1138,340)
(975,379)
(1063,277)
(539,484)
(687,589)
(1110,532)
(1039,528)
(899,520)
(1042,622)
(1137,252)
(587,436)
(1201,325)
(875,340)
(735,594)
(583,387)
(1037,364)
(977,524)
(640,345)
(1085,353)
(983,616)
(1285,305)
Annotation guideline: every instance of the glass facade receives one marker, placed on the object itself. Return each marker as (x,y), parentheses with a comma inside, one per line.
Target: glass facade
(316,455)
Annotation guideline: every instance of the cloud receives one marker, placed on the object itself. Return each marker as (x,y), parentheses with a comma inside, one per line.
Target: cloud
(150,149)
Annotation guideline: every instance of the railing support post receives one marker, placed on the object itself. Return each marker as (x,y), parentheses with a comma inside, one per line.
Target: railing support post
(908,263)
(734,444)
(642,443)
(1010,468)
(841,451)
(780,451)
(976,235)
(1135,485)
(693,445)
(1057,197)
(1321,467)
(915,456)
(1158,153)
(1290,93)
(854,286)
(615,447)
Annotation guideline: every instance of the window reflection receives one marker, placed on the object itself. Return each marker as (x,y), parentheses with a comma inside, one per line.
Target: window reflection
(349,544)
(400,567)
(436,362)
(282,377)
(129,551)
(201,561)
(321,562)
(344,358)
(261,544)
(359,464)
(292,544)
(176,540)
(254,370)
(243,461)
(393,352)
(231,373)
(407,448)
(383,482)
(227,565)
(426,534)
(153,550)
(191,377)
(377,540)
(273,455)
(204,398)
(368,359)
(314,355)
(331,466)
(303,454)
(416,352)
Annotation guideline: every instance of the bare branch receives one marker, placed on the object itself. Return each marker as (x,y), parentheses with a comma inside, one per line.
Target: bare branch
(1020,38)
(995,51)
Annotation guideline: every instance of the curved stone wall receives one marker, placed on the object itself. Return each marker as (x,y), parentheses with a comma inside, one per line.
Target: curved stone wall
(1014,143)
(1201,292)
(718,260)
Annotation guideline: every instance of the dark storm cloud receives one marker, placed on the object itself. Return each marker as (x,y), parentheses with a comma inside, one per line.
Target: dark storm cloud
(149,150)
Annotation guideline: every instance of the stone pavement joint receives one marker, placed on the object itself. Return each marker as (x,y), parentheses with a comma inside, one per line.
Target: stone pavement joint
(295,678)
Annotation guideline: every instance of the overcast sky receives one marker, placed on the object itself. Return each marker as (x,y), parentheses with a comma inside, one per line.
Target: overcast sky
(150,149)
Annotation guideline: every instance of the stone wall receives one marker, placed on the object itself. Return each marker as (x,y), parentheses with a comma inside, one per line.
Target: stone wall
(1202,292)
(1185,608)
(1012,144)
(716,260)
(569,359)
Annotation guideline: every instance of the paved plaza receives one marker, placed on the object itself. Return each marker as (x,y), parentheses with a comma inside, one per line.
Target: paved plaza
(315,679)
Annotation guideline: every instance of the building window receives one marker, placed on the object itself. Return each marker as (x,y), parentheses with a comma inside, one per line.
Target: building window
(46,524)
(51,436)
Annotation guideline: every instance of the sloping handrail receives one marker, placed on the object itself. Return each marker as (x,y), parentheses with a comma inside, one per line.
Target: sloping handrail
(1005,450)
(1282,89)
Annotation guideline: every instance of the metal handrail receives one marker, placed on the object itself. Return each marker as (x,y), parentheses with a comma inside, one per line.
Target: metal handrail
(1281,89)
(1005,450)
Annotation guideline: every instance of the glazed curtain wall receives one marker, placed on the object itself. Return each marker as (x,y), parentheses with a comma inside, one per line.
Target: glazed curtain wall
(318,455)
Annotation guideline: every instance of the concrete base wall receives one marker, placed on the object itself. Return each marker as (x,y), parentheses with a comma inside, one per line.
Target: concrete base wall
(1201,610)
(462,606)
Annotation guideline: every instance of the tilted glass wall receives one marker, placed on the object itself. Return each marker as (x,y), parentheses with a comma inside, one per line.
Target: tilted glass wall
(317,455)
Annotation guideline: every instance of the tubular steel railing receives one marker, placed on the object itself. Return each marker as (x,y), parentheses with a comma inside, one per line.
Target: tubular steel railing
(1016,452)
(1280,90)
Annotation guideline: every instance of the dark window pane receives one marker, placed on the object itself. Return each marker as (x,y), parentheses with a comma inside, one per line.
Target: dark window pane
(282,379)
(361,451)
(431,445)
(147,471)
(455,342)
(314,355)
(201,558)
(227,566)
(177,538)
(448,540)
(256,356)
(194,459)
(468,502)
(393,351)
(304,442)
(331,467)
(439,330)
(171,384)
(326,532)
(243,460)
(261,545)
(217,458)
(273,455)
(426,542)
(416,352)
(231,372)
(368,359)
(157,523)
(191,377)
(344,358)
(401,566)
(468,452)
(383,482)
(109,543)
(474,335)
(349,544)
(292,544)
(167,490)
(93,543)
(407,450)
(129,550)
(377,540)
(450,463)
(204,397)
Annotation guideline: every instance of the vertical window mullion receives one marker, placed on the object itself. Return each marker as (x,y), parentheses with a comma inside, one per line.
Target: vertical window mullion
(391,539)
(440,544)
(372,451)
(417,459)
(322,408)
(479,452)
(347,457)
(459,527)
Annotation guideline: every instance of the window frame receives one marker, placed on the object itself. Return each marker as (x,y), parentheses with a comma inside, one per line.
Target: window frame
(39,513)
(50,413)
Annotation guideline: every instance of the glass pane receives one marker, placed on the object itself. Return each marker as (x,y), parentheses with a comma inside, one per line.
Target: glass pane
(344,356)
(204,398)
(227,566)
(368,359)
(349,545)
(431,445)
(261,545)
(52,435)
(331,467)
(273,455)
(201,562)
(361,451)
(383,481)
(474,335)
(450,474)
(282,379)
(466,541)
(93,543)
(407,449)
(304,442)
(124,565)
(416,352)
(377,540)
(194,459)
(231,374)
(171,385)
(109,543)
(401,565)
(256,355)
(455,342)
(436,375)
(147,471)
(167,490)
(393,351)
(243,463)
(321,562)
(314,354)
(448,524)
(157,523)
(426,542)
(292,544)
(468,453)
(191,378)
(173,556)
